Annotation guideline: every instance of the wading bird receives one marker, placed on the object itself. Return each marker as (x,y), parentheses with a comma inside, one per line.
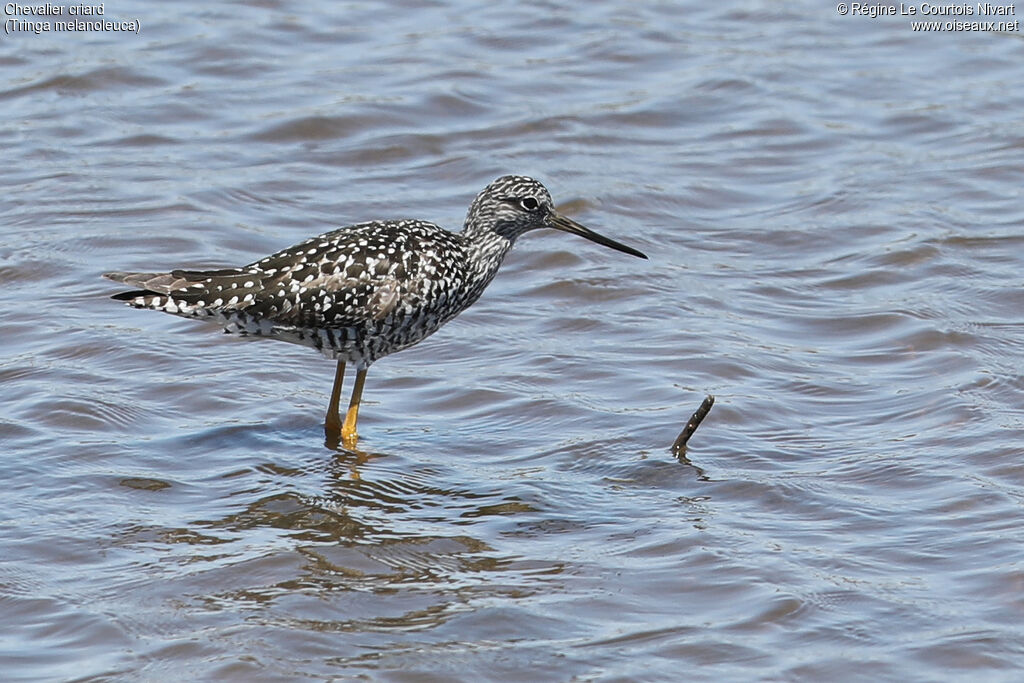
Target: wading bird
(364,291)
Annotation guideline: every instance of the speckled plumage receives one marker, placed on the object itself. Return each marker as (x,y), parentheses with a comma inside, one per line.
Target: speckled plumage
(355,294)
(364,291)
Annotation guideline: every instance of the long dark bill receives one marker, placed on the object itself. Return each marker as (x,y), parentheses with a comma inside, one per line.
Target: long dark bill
(565,224)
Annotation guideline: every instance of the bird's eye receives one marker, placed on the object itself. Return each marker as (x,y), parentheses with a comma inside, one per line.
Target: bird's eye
(529,203)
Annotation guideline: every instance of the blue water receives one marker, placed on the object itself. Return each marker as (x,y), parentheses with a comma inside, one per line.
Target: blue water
(833,210)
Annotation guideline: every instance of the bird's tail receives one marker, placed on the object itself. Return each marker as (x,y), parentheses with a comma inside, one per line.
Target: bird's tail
(189,293)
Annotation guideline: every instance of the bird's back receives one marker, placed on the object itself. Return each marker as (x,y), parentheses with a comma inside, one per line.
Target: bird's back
(357,293)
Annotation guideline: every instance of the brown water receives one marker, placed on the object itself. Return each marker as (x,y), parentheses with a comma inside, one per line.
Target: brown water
(833,208)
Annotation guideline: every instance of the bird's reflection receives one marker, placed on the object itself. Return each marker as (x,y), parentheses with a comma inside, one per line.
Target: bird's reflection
(349,454)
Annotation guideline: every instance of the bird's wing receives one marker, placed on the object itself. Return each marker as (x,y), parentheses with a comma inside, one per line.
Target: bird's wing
(352,276)
(343,278)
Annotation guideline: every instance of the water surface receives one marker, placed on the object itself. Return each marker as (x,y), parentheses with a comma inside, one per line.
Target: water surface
(833,208)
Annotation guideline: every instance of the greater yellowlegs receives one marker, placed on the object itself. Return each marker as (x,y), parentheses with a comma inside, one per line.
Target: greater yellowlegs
(361,292)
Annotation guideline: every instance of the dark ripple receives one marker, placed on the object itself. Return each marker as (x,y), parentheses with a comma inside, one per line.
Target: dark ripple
(86,83)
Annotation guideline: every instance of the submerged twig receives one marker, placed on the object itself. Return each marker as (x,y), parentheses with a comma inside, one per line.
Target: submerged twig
(679,447)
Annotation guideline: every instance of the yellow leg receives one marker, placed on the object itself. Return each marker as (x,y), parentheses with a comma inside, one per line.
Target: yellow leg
(348,431)
(332,423)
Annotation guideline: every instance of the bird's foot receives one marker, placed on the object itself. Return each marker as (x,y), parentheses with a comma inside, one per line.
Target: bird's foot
(349,438)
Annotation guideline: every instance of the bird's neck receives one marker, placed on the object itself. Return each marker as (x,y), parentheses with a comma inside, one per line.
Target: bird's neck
(485,251)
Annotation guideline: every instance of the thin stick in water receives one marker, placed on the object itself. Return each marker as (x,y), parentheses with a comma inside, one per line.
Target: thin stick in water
(680,445)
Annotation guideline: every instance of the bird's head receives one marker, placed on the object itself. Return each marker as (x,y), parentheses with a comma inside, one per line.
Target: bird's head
(514,204)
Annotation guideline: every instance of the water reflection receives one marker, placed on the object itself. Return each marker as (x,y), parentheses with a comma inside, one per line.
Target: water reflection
(380,525)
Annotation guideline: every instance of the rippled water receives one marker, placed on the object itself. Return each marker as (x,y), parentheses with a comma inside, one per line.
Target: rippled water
(833,207)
